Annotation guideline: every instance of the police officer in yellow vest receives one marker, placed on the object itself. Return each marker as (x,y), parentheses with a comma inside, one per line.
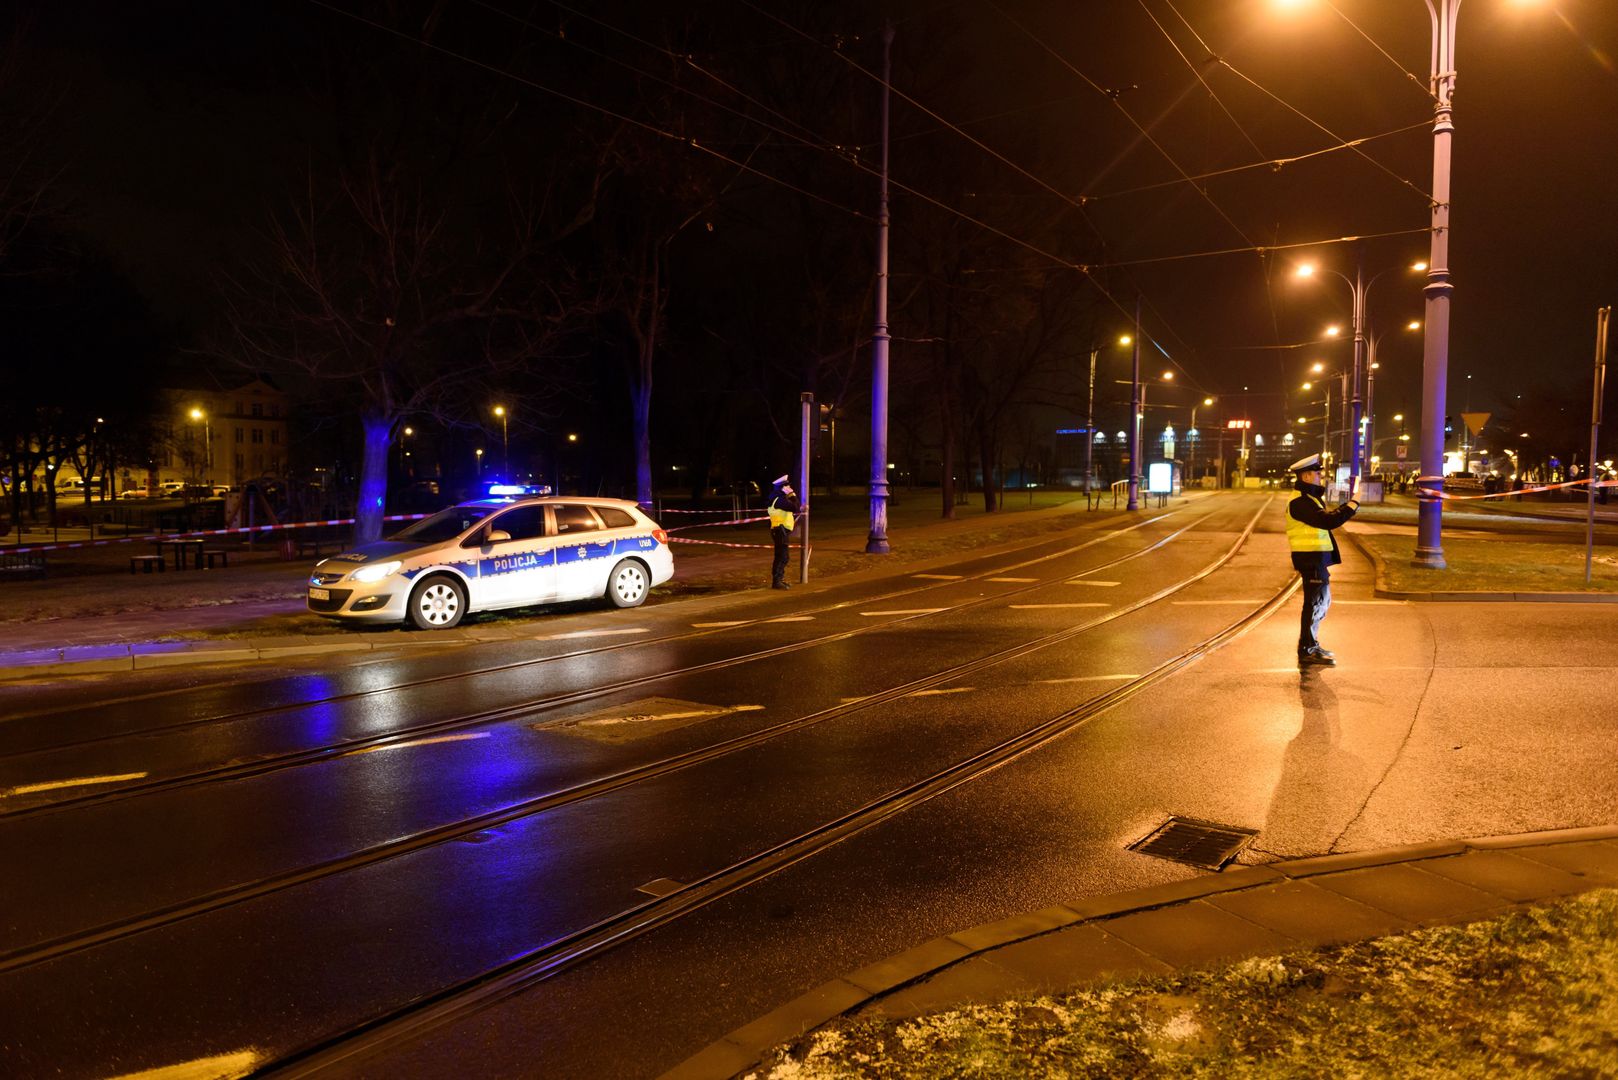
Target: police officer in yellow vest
(1314,552)
(783,516)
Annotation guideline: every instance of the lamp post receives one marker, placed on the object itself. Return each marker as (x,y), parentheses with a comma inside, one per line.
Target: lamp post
(1137,403)
(207,445)
(479,453)
(1191,435)
(505,446)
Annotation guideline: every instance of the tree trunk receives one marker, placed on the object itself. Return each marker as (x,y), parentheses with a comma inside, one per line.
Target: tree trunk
(641,401)
(373,479)
(946,454)
(989,454)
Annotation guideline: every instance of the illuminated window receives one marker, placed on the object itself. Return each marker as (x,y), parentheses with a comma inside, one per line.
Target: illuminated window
(1286,440)
(1258,440)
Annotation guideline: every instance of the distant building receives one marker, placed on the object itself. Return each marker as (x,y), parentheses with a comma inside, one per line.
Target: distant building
(218,437)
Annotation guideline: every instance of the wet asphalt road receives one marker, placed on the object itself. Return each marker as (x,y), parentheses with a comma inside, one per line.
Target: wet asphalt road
(286,860)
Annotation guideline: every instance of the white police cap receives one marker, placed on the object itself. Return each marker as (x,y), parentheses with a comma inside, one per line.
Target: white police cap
(1305,464)
(780,480)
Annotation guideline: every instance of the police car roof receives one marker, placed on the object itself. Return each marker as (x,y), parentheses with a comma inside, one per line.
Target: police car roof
(498,502)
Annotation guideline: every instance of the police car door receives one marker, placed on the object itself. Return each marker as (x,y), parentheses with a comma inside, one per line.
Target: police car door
(583,556)
(515,565)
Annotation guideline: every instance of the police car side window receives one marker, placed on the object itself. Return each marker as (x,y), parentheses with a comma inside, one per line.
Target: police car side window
(613,518)
(572,520)
(522,523)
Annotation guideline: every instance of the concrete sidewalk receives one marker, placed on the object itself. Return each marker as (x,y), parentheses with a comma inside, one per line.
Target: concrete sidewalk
(1256,911)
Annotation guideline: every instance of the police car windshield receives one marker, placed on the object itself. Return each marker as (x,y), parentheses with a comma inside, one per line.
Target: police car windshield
(443,526)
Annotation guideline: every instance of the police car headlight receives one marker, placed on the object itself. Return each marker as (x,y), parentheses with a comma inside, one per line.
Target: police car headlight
(375,573)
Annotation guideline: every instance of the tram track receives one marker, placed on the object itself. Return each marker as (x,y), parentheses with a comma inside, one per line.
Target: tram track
(88,938)
(519,665)
(349,1049)
(524,710)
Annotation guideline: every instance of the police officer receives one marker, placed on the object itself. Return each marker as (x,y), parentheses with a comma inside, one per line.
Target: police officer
(783,516)
(1314,552)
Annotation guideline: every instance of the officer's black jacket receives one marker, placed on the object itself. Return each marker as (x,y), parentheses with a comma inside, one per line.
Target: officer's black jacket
(1309,512)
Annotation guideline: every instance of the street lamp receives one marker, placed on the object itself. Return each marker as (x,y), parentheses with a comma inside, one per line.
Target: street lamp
(1191,434)
(505,447)
(479,453)
(207,448)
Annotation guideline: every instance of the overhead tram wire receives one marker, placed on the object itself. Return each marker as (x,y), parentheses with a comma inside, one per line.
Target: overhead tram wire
(1194,71)
(1274,164)
(1422,83)
(684,140)
(1262,249)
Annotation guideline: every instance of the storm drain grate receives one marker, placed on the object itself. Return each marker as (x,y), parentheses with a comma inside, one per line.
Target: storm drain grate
(1196,843)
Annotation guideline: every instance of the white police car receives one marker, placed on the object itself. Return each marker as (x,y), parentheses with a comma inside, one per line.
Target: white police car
(496,553)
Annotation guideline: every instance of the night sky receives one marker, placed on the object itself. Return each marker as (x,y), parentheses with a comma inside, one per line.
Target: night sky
(177,123)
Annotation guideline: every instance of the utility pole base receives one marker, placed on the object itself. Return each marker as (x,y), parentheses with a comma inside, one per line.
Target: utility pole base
(876,545)
(1429,559)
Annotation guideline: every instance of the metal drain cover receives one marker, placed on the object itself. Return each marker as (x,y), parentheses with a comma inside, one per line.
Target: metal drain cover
(1195,843)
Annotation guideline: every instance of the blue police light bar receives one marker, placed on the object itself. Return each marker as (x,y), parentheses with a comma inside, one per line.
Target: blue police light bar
(519,489)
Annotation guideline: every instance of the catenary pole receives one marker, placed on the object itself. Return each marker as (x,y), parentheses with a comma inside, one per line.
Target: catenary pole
(877,542)
(1602,317)
(1134,418)
(808,402)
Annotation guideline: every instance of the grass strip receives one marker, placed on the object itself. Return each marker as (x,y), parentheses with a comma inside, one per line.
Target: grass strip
(1502,565)
(1530,993)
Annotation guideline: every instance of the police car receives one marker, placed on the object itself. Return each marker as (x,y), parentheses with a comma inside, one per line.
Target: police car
(496,553)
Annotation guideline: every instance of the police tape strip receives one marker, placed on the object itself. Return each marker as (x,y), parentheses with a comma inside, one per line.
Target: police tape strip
(721,543)
(1425,493)
(717,524)
(671,510)
(155,537)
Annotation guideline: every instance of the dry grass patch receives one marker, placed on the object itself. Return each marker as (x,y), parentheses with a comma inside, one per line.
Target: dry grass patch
(1532,993)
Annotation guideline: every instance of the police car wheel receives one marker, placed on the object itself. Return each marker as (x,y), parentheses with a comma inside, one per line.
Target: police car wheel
(436,604)
(627,584)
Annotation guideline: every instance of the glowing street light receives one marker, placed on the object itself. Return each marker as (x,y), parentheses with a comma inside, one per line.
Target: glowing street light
(505,446)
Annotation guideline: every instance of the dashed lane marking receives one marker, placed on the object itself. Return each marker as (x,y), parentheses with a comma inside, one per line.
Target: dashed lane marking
(77,781)
(1092,678)
(1013,580)
(593,633)
(1215,603)
(1097,584)
(1369,603)
(463,737)
(793,618)
(939,577)
(950,690)
(906,611)
(219,1067)
(1027,607)
(660,887)
(706,625)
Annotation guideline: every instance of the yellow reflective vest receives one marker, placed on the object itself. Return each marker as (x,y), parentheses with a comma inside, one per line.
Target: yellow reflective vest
(779,518)
(1304,537)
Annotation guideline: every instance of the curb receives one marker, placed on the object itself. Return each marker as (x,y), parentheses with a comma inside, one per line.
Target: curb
(1379,588)
(743,1048)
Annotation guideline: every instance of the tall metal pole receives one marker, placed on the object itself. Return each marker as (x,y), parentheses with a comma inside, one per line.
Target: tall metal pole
(1370,398)
(1325,426)
(1134,419)
(1090,431)
(1602,317)
(1356,433)
(1435,347)
(877,542)
(808,401)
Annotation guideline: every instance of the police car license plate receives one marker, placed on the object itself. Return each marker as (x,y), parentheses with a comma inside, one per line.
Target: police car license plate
(320,594)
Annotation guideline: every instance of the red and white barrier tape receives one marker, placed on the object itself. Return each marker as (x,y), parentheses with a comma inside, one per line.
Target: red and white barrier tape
(716,524)
(153,537)
(671,510)
(721,543)
(1424,493)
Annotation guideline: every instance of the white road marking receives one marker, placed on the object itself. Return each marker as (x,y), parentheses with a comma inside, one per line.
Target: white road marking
(418,742)
(593,633)
(793,618)
(646,718)
(851,700)
(1025,607)
(77,781)
(1092,678)
(907,611)
(1213,603)
(660,887)
(1097,584)
(219,1067)
(705,625)
(1368,603)
(951,690)
(939,577)
(1013,580)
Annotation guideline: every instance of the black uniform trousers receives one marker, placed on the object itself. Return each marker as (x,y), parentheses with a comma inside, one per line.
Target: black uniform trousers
(781,536)
(1316,600)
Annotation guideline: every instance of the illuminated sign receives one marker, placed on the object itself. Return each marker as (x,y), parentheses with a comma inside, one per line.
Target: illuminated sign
(1160,478)
(1232,424)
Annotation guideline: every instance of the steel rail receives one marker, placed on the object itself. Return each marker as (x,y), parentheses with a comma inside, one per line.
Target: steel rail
(239,893)
(522,710)
(516,975)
